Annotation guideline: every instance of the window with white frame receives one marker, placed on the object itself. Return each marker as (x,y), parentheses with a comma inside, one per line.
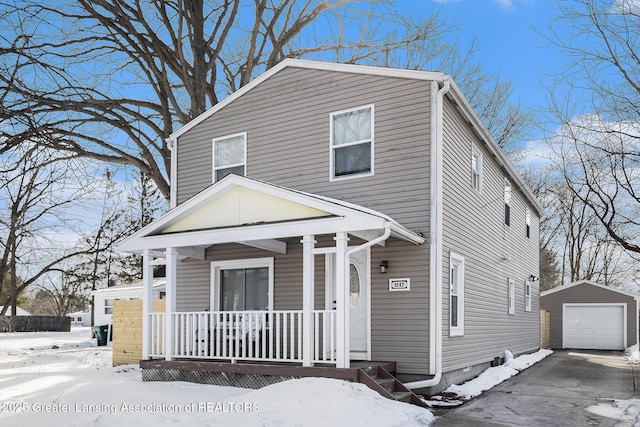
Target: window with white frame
(507,202)
(352,143)
(229,155)
(527,295)
(108,306)
(456,295)
(512,296)
(527,218)
(476,167)
(242,285)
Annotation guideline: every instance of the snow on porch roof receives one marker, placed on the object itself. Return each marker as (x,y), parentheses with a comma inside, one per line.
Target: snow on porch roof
(239,209)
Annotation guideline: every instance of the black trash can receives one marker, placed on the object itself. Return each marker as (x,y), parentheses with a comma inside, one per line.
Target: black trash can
(101,332)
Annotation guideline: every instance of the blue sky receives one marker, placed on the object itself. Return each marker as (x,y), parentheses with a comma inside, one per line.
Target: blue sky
(507,41)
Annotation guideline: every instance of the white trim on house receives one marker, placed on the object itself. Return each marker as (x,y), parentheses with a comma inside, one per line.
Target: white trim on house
(588,282)
(232,165)
(457,264)
(370,141)
(217,266)
(512,297)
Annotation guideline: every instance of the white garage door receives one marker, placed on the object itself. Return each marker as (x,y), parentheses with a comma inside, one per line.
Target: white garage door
(594,326)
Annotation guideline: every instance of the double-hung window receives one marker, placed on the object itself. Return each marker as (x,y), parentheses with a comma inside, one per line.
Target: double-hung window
(527,295)
(229,156)
(242,285)
(527,217)
(512,296)
(476,168)
(507,202)
(456,295)
(108,306)
(352,143)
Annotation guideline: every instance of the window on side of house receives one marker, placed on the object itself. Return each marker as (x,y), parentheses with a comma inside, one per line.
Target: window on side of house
(456,295)
(527,217)
(243,285)
(512,296)
(229,155)
(527,295)
(476,168)
(108,306)
(352,143)
(507,202)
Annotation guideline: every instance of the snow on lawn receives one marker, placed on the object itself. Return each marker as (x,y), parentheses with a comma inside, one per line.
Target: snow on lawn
(457,394)
(632,354)
(62,378)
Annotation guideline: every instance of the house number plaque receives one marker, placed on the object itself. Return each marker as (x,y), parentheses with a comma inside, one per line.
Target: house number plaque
(399,284)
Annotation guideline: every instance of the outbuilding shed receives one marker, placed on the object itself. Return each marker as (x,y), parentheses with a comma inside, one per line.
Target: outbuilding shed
(589,315)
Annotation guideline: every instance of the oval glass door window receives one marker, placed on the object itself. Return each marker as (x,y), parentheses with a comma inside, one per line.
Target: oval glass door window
(354,287)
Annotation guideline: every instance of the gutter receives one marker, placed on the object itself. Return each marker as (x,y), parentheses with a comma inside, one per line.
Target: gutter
(435,240)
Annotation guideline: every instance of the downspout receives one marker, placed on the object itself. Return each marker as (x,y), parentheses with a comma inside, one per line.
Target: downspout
(435,241)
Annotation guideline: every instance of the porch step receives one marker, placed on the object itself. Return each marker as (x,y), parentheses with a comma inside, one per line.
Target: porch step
(379,379)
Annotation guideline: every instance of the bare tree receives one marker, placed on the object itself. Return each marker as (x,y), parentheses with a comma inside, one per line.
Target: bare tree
(35,192)
(600,144)
(111,80)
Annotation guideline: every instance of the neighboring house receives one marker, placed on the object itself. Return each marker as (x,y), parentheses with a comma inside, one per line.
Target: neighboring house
(588,315)
(104,298)
(80,318)
(326,214)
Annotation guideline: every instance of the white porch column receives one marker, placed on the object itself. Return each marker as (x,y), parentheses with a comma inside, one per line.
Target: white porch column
(147,302)
(170,302)
(308,244)
(342,302)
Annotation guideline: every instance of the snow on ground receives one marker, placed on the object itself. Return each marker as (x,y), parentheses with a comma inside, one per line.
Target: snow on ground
(63,379)
(457,394)
(632,354)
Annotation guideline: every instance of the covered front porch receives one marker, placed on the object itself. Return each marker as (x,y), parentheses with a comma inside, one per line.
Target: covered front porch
(241,323)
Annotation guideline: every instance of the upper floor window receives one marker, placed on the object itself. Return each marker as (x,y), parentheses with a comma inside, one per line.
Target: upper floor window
(527,218)
(476,168)
(352,143)
(507,202)
(229,156)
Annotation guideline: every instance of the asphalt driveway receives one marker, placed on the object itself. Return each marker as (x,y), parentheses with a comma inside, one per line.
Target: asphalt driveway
(554,392)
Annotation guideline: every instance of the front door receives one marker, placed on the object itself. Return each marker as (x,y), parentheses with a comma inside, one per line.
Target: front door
(359,286)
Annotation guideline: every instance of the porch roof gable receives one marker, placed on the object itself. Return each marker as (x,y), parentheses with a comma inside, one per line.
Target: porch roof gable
(241,209)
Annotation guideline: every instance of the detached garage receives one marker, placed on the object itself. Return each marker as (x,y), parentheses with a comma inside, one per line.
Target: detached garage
(588,315)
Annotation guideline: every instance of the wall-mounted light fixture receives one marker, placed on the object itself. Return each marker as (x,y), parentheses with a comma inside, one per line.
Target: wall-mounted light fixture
(384,266)
(534,278)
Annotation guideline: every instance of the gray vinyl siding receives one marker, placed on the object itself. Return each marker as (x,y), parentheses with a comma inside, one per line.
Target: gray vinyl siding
(585,294)
(287,120)
(473,227)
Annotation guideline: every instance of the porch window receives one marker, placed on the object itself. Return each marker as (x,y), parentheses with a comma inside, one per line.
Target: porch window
(242,285)
(456,295)
(229,156)
(352,143)
(244,289)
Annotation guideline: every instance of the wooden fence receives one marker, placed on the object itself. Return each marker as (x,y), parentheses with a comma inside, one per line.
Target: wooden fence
(35,323)
(545,329)
(127,330)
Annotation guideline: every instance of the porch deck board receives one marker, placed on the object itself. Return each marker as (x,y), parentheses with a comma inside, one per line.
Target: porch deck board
(267,369)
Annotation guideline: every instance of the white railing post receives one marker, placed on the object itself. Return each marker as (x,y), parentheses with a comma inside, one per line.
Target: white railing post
(342,302)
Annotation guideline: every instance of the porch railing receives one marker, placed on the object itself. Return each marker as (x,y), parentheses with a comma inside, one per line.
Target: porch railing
(271,336)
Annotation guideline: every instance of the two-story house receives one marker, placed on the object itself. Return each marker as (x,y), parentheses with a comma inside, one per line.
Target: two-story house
(326,214)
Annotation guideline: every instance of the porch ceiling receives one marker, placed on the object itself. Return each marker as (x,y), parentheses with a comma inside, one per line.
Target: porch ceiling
(244,210)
